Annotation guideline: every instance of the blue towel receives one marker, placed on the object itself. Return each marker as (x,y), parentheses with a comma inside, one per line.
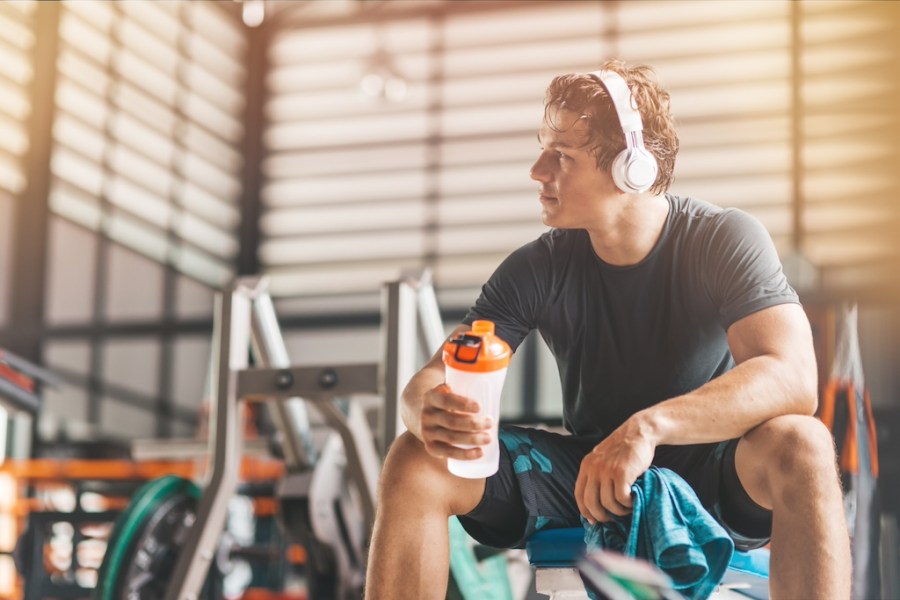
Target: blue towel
(674,532)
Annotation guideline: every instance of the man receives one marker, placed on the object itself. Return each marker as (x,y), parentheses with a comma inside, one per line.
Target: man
(679,344)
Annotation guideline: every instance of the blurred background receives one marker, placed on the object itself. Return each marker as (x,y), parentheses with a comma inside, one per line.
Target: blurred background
(152,151)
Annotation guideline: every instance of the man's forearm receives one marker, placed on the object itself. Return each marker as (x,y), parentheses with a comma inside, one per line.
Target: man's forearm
(755,391)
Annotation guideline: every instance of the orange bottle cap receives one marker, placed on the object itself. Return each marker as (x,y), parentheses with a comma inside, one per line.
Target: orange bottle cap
(478,350)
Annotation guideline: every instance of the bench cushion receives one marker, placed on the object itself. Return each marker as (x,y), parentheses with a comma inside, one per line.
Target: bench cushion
(563,548)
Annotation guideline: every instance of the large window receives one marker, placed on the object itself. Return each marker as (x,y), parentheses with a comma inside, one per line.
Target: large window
(144,208)
(849,124)
(150,102)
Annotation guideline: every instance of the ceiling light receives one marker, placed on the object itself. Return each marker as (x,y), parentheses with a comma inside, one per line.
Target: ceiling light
(253,12)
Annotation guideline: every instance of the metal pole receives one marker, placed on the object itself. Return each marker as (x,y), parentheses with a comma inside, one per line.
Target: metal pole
(430,316)
(399,334)
(360,452)
(233,324)
(289,416)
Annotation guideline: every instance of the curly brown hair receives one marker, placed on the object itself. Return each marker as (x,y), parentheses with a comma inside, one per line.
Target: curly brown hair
(584,95)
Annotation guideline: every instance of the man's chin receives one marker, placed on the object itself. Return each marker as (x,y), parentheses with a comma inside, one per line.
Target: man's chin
(546,217)
(548,220)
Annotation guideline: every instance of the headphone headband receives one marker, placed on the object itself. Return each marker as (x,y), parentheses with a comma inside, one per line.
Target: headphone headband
(623,101)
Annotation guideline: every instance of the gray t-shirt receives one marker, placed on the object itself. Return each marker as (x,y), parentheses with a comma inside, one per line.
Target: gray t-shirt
(626,338)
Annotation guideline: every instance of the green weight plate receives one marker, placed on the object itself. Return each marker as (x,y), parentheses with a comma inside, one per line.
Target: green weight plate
(131,524)
(149,567)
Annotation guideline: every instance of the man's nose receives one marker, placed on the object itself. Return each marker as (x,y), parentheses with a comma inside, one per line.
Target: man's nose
(539,170)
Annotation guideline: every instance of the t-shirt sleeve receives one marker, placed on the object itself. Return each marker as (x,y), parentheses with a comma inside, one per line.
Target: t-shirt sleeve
(514,295)
(743,268)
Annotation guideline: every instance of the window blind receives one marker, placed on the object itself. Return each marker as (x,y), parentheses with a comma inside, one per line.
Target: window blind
(359,189)
(16,41)
(149,118)
(850,124)
(349,177)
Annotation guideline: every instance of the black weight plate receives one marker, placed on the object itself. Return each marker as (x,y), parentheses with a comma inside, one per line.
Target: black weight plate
(151,560)
(148,509)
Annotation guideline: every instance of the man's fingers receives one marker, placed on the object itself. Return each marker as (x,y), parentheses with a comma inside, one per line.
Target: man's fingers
(610,502)
(448,420)
(441,397)
(444,450)
(454,420)
(623,494)
(579,496)
(592,504)
(457,438)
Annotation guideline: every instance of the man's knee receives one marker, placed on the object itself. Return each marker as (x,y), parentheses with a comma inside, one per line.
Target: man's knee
(794,442)
(406,463)
(791,449)
(410,473)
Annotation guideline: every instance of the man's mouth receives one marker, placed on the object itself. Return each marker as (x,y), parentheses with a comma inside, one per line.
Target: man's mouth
(547,199)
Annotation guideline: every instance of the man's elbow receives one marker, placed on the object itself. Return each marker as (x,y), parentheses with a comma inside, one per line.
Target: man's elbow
(803,380)
(808,403)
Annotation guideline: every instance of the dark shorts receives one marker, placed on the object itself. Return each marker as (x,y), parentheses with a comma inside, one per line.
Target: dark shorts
(534,488)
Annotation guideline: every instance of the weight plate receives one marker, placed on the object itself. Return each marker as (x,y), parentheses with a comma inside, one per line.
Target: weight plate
(149,565)
(132,524)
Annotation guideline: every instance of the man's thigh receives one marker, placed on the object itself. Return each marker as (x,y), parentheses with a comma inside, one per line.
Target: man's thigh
(711,471)
(533,488)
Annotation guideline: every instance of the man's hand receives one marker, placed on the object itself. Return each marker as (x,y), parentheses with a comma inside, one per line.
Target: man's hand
(448,420)
(603,487)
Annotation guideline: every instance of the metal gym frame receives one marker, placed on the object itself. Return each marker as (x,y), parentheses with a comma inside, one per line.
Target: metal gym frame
(245,317)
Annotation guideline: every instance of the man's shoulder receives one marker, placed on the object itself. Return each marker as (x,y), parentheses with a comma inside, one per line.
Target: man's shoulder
(694,210)
(554,252)
(696,217)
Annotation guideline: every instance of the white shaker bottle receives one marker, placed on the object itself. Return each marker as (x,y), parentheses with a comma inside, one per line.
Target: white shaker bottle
(475,365)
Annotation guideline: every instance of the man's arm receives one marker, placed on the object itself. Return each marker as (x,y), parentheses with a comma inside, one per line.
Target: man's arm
(775,374)
(440,418)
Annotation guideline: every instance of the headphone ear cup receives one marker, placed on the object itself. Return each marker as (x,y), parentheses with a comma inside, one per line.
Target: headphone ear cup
(634,171)
(619,172)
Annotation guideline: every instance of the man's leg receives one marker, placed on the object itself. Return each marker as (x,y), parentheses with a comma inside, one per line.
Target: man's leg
(410,552)
(788,465)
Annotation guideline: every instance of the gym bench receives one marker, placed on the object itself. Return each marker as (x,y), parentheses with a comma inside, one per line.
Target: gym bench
(554,553)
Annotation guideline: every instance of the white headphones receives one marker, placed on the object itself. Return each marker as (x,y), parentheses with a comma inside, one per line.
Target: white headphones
(634,168)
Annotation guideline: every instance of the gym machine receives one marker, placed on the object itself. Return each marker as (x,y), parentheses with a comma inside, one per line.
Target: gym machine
(181,524)
(170,534)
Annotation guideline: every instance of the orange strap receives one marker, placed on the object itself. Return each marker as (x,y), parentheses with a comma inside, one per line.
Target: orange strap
(873,439)
(826,406)
(850,449)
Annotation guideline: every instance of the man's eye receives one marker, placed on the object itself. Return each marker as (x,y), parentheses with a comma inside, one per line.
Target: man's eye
(562,156)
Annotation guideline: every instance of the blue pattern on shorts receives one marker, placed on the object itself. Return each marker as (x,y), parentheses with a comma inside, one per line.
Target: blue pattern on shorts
(523,453)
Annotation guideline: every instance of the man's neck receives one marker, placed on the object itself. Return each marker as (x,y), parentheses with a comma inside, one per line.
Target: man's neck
(625,234)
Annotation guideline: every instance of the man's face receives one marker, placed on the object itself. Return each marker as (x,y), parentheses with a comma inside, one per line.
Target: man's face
(572,187)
